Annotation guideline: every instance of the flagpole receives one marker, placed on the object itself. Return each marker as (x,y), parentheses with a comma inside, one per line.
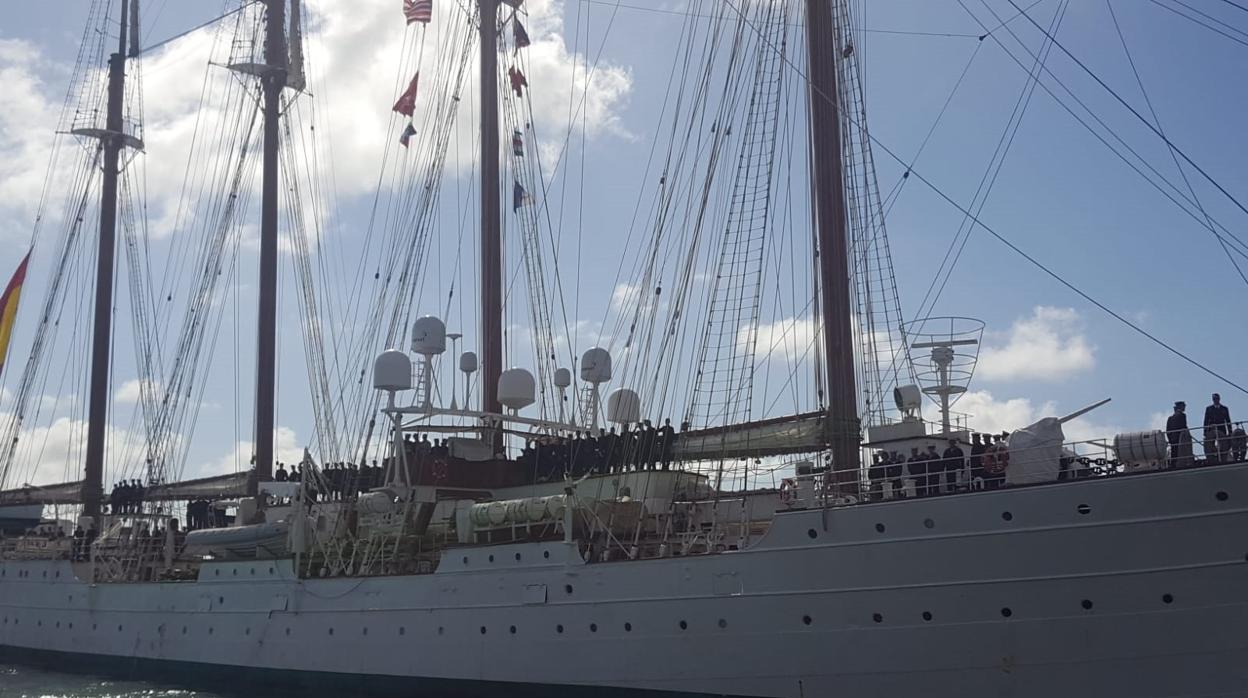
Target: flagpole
(491,242)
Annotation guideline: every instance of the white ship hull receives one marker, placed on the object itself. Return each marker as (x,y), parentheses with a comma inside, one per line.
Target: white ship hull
(1123,586)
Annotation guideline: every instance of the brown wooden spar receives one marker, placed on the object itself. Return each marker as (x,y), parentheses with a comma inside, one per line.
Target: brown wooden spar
(828,209)
(491,242)
(112,140)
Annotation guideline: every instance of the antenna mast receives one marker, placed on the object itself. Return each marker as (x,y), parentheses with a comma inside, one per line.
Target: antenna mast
(828,209)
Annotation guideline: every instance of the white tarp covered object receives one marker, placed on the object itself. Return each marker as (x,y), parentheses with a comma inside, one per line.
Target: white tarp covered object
(1035,453)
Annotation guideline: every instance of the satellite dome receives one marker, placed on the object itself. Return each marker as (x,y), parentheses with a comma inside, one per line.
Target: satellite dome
(392,371)
(428,336)
(516,388)
(596,365)
(623,406)
(468,362)
(563,378)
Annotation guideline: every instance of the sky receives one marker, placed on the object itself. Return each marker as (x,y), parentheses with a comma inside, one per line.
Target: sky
(1061,196)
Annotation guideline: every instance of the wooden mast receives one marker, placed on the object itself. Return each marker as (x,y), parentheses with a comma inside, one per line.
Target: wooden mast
(273,79)
(828,204)
(491,237)
(112,139)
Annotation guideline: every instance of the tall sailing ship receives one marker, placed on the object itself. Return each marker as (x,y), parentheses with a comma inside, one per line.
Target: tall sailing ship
(598,542)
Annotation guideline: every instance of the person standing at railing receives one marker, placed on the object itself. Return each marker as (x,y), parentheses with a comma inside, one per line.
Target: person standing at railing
(955,461)
(1217,431)
(1179,437)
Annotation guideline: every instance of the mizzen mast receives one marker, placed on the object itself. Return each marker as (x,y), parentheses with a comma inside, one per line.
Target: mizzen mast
(491,237)
(273,80)
(112,138)
(832,235)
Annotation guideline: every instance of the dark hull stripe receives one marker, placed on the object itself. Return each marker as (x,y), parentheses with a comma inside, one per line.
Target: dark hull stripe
(249,682)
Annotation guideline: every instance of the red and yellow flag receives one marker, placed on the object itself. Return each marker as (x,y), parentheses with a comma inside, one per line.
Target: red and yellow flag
(8,308)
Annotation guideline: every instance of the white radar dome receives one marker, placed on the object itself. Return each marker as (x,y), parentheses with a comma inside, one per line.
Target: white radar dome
(563,378)
(468,362)
(392,371)
(428,336)
(623,406)
(516,388)
(596,365)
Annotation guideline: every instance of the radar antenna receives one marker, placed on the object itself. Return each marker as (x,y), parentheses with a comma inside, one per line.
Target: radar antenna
(945,371)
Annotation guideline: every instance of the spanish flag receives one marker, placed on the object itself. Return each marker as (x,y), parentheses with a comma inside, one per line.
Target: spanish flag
(8,308)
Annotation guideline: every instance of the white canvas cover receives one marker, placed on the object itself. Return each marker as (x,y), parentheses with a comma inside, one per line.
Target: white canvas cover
(1035,453)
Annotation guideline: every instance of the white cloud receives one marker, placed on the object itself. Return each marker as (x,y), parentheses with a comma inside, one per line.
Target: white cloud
(131,392)
(1048,345)
(789,339)
(286,448)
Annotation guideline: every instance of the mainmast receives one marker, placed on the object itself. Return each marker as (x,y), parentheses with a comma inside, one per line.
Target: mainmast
(828,204)
(273,80)
(113,140)
(491,238)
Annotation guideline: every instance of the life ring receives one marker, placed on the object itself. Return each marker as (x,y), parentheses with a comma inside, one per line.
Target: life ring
(996,461)
(788,490)
(438,470)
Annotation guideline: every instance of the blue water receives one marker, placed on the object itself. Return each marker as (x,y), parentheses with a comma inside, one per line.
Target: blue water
(23,682)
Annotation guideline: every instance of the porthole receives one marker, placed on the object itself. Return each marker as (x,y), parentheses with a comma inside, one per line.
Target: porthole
(364,632)
(567,588)
(287,632)
(684,625)
(271,571)
(1007,516)
(441,630)
(722,624)
(94,626)
(517,557)
(465,559)
(1221,497)
(1087,604)
(512,630)
(483,630)
(58,574)
(1006,612)
(217,572)
(593,627)
(546,554)
(184,630)
(807,620)
(812,533)
(247,631)
(253,571)
(879,528)
(927,615)
(1167,598)
(220,600)
(71,626)
(928,523)
(58,625)
(491,558)
(628,627)
(402,631)
(234,571)
(877,617)
(559,628)
(209,631)
(1084,509)
(331,631)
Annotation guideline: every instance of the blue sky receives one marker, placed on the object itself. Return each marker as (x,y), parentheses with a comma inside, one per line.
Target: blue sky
(1061,195)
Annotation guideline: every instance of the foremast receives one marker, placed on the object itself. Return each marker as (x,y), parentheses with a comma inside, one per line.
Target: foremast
(832,235)
(491,238)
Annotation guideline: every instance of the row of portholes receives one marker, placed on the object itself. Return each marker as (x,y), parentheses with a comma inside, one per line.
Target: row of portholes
(22,574)
(545,555)
(1082,509)
(217,572)
(1006,612)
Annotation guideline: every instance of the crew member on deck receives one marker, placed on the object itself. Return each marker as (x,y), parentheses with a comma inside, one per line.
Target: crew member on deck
(281,475)
(1179,437)
(1217,430)
(916,466)
(954,462)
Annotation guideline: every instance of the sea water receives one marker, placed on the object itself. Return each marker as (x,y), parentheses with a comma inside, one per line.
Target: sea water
(24,682)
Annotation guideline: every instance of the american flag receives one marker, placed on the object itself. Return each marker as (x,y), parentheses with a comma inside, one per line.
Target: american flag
(418,10)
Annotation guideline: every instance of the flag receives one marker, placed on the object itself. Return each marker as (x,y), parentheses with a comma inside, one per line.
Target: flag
(8,308)
(518,82)
(519,197)
(519,34)
(418,10)
(407,101)
(517,144)
(407,134)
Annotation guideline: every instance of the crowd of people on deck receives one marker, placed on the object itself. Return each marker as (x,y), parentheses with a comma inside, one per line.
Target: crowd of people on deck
(934,472)
(126,497)
(644,448)
(1223,441)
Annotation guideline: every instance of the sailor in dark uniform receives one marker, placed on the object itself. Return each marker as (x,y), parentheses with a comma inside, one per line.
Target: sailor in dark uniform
(1217,430)
(954,460)
(1179,437)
